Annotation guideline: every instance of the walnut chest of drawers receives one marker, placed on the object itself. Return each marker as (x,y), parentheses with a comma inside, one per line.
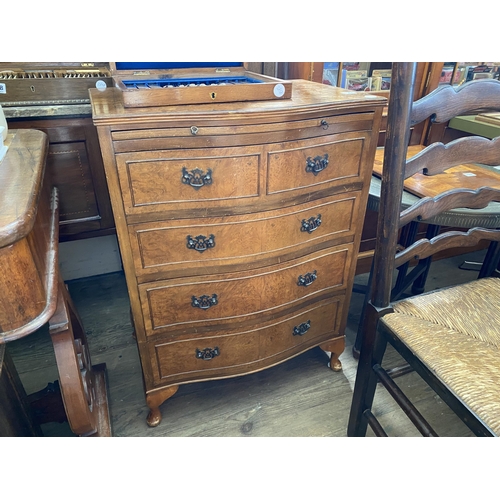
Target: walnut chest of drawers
(239,226)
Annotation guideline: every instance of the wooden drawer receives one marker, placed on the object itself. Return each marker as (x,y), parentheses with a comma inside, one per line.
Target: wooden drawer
(227,299)
(214,245)
(206,135)
(314,164)
(247,350)
(176,360)
(224,181)
(193,179)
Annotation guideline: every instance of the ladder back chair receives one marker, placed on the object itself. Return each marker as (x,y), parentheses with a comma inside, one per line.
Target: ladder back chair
(450,336)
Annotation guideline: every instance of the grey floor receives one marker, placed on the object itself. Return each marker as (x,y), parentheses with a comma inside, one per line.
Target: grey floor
(300,397)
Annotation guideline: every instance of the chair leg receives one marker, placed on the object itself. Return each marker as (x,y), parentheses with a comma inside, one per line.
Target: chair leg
(359,334)
(372,351)
(491,259)
(408,236)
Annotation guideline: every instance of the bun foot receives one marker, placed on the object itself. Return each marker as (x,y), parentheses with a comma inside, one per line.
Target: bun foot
(154,417)
(335,365)
(335,348)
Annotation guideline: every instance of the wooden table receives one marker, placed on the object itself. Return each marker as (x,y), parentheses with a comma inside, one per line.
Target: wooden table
(31,287)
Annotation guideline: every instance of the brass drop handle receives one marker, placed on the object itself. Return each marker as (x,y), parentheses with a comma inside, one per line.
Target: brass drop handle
(324,124)
(196,178)
(205,301)
(200,243)
(307,279)
(310,224)
(208,353)
(302,328)
(317,164)
(194,130)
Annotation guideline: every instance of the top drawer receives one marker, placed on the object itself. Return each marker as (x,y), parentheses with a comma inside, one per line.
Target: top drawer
(166,181)
(203,135)
(228,181)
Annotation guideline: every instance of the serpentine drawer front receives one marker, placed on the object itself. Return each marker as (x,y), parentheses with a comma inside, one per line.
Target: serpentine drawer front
(192,246)
(249,349)
(239,226)
(237,297)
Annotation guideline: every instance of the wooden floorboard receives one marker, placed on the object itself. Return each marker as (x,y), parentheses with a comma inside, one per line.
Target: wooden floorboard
(301,397)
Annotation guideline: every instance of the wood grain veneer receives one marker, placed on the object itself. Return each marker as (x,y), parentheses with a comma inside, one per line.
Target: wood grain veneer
(223,213)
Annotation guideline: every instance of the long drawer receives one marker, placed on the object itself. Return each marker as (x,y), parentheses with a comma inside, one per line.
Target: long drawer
(222,300)
(250,349)
(189,183)
(213,245)
(206,135)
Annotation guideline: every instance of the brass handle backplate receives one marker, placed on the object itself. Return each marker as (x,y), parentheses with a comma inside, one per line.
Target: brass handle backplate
(208,353)
(196,178)
(307,279)
(310,224)
(204,302)
(317,164)
(302,328)
(200,243)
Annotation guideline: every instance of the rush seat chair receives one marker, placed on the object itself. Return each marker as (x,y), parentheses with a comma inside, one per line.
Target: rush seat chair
(450,336)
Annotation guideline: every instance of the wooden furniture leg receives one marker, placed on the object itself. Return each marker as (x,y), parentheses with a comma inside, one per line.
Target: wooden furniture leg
(336,348)
(83,386)
(154,400)
(16,417)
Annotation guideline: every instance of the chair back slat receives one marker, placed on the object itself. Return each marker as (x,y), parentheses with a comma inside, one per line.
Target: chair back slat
(438,157)
(441,105)
(427,208)
(424,248)
(446,102)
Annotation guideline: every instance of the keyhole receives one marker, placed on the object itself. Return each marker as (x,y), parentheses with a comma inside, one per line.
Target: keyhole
(212,95)
(32,88)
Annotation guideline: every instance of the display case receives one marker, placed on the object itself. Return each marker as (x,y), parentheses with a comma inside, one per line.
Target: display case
(166,83)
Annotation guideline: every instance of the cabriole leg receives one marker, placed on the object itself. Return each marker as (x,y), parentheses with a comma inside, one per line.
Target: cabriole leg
(154,400)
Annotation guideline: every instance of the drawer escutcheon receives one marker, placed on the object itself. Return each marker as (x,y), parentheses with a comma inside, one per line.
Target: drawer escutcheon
(196,178)
(302,328)
(317,164)
(200,243)
(204,302)
(208,353)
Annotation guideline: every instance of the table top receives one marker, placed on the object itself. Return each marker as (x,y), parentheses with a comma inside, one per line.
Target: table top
(21,175)
(108,107)
(471,176)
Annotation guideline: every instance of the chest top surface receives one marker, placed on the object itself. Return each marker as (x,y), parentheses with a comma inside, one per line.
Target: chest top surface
(21,175)
(307,97)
